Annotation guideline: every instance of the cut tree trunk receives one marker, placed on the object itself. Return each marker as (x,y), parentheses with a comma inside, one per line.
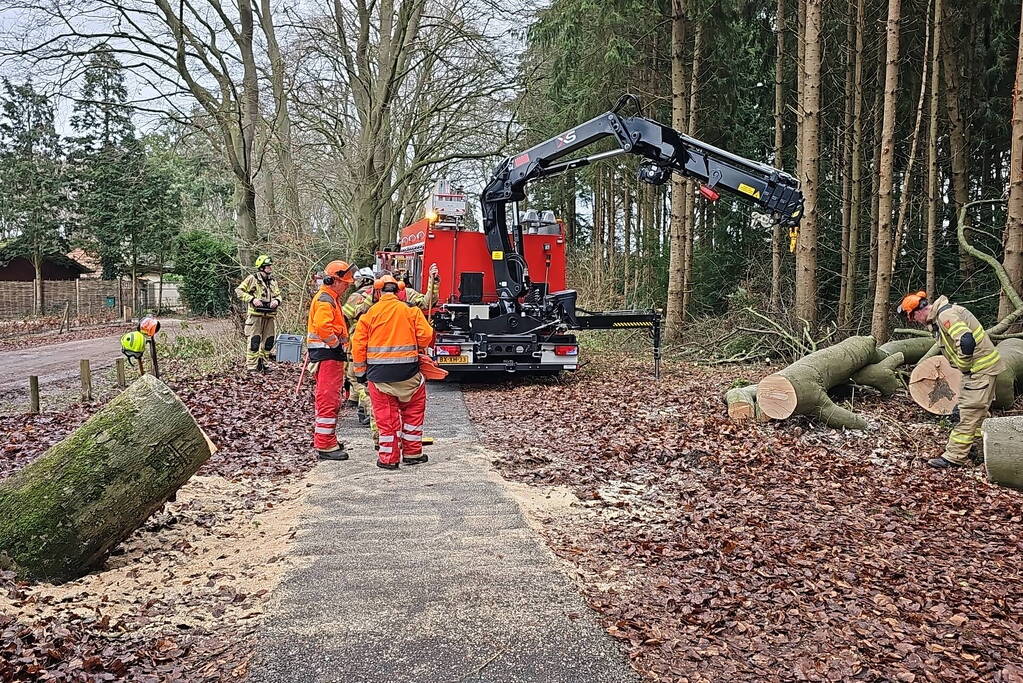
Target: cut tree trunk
(742,403)
(801,388)
(1009,382)
(62,514)
(934,384)
(882,375)
(1003,450)
(912,349)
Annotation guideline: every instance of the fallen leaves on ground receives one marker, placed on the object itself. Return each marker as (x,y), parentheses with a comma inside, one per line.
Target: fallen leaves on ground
(717,550)
(181,598)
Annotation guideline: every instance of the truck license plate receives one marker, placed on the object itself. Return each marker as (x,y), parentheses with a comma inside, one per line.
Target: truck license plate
(452,359)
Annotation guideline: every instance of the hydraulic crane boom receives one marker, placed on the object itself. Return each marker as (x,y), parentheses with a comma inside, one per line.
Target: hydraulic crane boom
(665,150)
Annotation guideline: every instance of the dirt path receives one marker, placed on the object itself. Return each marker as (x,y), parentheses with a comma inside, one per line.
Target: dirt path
(60,362)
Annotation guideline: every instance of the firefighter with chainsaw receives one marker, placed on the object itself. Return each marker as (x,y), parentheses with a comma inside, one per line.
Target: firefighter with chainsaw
(964,343)
(360,302)
(327,344)
(262,295)
(385,354)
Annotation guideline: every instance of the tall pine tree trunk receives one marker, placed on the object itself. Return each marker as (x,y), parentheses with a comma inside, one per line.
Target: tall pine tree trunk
(1014,220)
(956,134)
(850,65)
(779,110)
(932,147)
(806,246)
(674,312)
(856,171)
(882,289)
(690,198)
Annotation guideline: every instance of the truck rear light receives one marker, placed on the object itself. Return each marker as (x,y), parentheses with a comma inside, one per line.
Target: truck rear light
(449,350)
(566,350)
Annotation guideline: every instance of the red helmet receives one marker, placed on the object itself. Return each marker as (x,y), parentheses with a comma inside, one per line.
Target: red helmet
(149,326)
(430,369)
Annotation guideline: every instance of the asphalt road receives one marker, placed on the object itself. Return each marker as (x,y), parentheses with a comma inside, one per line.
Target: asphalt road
(60,362)
(427,574)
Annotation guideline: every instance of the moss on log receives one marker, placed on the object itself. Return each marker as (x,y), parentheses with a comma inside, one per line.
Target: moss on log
(801,388)
(742,403)
(62,514)
(1003,450)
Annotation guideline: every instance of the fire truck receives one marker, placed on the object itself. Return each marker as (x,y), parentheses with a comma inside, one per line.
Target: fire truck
(503,303)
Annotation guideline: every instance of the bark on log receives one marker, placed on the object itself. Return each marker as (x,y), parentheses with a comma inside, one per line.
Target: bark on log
(1003,450)
(934,384)
(62,514)
(1009,382)
(882,376)
(912,349)
(801,388)
(742,403)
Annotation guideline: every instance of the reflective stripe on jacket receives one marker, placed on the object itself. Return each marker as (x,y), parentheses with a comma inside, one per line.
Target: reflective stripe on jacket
(326,329)
(258,286)
(950,322)
(387,340)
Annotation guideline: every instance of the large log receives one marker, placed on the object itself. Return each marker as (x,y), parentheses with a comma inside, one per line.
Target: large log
(62,514)
(934,384)
(742,403)
(883,375)
(801,388)
(912,349)
(1003,450)
(1009,382)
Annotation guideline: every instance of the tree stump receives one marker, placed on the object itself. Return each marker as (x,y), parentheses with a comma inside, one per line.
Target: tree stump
(801,388)
(1003,450)
(742,403)
(934,384)
(61,515)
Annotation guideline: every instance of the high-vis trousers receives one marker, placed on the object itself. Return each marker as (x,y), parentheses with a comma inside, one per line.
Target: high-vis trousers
(260,333)
(974,404)
(330,378)
(400,424)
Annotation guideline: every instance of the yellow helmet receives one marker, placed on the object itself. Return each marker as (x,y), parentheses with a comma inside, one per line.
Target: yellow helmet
(132,344)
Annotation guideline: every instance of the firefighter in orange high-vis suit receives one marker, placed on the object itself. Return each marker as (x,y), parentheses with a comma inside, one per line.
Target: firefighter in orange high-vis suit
(327,344)
(385,353)
(965,344)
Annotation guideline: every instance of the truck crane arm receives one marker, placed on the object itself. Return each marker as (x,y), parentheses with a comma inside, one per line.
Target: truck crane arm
(664,149)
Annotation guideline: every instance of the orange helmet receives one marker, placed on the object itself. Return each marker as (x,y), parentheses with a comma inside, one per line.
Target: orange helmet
(149,326)
(379,283)
(339,271)
(912,302)
(430,369)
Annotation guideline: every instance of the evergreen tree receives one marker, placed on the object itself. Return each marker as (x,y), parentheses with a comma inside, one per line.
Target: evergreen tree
(31,198)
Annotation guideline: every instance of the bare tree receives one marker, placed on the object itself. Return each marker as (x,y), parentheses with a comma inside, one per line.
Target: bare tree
(806,246)
(676,242)
(1014,220)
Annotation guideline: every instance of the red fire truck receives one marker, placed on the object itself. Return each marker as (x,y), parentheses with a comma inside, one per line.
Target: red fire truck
(503,304)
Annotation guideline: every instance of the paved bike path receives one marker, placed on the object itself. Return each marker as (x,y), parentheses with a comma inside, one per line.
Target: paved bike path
(427,574)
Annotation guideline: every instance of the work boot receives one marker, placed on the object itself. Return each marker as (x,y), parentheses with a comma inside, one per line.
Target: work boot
(387,465)
(940,463)
(415,460)
(363,416)
(334,454)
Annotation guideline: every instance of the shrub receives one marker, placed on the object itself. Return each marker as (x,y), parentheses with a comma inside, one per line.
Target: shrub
(207,268)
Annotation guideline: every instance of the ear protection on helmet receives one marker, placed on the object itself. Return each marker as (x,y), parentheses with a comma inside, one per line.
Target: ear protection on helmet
(331,278)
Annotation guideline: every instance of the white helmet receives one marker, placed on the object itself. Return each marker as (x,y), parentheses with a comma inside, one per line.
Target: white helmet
(364,274)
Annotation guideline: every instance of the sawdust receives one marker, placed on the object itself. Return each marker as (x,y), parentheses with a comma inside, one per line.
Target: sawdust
(540,505)
(209,559)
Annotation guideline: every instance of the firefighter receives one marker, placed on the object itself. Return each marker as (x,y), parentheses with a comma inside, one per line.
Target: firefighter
(263,295)
(385,352)
(327,346)
(964,343)
(358,303)
(361,304)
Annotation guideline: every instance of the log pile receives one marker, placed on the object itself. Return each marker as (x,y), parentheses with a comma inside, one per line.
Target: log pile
(62,514)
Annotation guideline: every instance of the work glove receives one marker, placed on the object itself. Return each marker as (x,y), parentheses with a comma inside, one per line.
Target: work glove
(434,273)
(275,303)
(258,303)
